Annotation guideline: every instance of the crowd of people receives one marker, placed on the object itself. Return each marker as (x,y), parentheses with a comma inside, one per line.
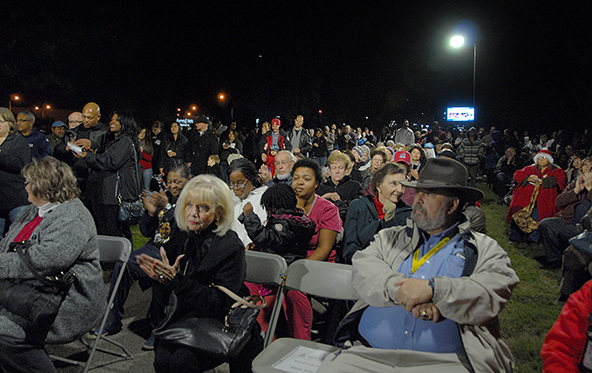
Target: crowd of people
(401,207)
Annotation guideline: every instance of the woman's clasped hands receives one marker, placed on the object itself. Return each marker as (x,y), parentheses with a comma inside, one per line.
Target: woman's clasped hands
(160,270)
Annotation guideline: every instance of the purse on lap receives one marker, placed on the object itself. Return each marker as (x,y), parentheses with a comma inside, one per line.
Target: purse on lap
(223,340)
(36,300)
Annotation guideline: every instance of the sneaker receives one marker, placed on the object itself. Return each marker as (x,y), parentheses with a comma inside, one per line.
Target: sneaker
(149,344)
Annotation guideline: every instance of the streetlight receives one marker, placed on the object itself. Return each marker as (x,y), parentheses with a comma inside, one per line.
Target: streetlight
(13,97)
(223,101)
(459,41)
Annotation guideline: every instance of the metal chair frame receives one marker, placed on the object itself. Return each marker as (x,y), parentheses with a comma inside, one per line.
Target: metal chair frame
(112,249)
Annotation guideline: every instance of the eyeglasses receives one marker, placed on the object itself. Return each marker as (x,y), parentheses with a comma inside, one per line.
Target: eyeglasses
(238,185)
(75,121)
(283,163)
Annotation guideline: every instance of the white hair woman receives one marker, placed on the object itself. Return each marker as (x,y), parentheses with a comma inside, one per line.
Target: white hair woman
(212,253)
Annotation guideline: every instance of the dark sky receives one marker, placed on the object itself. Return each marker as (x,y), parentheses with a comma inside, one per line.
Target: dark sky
(383,61)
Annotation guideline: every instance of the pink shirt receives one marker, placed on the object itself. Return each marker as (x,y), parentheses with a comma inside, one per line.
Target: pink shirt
(326,215)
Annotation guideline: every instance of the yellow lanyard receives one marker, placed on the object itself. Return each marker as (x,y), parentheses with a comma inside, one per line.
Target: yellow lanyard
(419,262)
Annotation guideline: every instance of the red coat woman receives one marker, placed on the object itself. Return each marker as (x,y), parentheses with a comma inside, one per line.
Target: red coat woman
(551,180)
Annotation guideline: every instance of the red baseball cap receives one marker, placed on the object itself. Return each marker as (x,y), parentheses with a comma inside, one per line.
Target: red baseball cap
(402,156)
(276,122)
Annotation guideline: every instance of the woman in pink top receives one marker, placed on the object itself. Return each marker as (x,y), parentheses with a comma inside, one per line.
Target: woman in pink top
(306,177)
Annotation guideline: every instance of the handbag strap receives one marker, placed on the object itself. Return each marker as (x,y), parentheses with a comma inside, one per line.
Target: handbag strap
(51,281)
(136,164)
(252,303)
(533,198)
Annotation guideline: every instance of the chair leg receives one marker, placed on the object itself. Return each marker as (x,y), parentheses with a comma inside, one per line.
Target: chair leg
(277,309)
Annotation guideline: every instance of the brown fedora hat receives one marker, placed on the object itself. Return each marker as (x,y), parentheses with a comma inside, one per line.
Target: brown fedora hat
(442,173)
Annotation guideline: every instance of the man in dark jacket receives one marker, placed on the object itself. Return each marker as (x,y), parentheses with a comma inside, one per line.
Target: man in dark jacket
(504,176)
(299,138)
(91,135)
(200,145)
(38,143)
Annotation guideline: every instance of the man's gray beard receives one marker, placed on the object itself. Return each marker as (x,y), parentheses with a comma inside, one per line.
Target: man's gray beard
(441,221)
(282,176)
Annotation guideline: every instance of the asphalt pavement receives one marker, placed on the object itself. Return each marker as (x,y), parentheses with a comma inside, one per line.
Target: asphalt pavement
(136,330)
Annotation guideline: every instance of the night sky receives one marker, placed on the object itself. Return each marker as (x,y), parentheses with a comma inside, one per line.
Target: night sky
(384,61)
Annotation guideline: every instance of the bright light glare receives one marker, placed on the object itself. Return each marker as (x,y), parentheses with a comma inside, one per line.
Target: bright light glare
(457,41)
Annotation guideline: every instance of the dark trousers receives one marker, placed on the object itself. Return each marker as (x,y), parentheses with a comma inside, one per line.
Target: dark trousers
(555,237)
(473,171)
(502,183)
(132,273)
(20,357)
(105,216)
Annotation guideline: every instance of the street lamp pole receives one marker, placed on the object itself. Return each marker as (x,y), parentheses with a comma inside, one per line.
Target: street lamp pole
(12,97)
(474,70)
(459,41)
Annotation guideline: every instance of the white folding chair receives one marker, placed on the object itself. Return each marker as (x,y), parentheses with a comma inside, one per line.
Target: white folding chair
(112,249)
(268,269)
(328,280)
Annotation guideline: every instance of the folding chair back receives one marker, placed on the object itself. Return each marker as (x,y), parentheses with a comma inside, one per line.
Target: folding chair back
(328,280)
(322,279)
(268,269)
(113,249)
(265,268)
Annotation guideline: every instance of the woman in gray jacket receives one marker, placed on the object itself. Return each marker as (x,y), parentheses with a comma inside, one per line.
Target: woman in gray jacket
(60,237)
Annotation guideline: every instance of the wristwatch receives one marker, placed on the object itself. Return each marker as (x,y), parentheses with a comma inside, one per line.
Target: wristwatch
(432,284)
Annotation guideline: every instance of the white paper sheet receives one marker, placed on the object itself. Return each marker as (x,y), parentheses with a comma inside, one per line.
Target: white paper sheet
(301,360)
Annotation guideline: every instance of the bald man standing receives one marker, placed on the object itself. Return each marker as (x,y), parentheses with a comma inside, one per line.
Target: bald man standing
(90,134)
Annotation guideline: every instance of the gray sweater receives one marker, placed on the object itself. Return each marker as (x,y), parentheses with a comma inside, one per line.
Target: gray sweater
(66,237)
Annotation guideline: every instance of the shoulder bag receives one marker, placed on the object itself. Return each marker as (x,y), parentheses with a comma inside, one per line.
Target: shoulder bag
(223,340)
(130,211)
(523,218)
(35,300)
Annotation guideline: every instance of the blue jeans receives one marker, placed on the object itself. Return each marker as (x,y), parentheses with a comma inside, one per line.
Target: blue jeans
(12,215)
(132,273)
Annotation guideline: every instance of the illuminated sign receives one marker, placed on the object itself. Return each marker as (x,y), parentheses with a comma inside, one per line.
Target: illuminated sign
(185,122)
(460,114)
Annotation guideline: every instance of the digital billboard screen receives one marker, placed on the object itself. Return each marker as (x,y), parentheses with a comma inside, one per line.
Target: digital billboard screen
(460,114)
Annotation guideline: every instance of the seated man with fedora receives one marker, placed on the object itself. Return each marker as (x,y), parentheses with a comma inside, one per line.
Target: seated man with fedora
(430,292)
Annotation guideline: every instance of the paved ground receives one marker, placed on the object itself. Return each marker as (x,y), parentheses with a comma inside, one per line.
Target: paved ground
(134,334)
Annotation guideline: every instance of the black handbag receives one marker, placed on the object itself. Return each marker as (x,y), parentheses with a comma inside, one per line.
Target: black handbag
(36,300)
(223,340)
(582,242)
(130,211)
